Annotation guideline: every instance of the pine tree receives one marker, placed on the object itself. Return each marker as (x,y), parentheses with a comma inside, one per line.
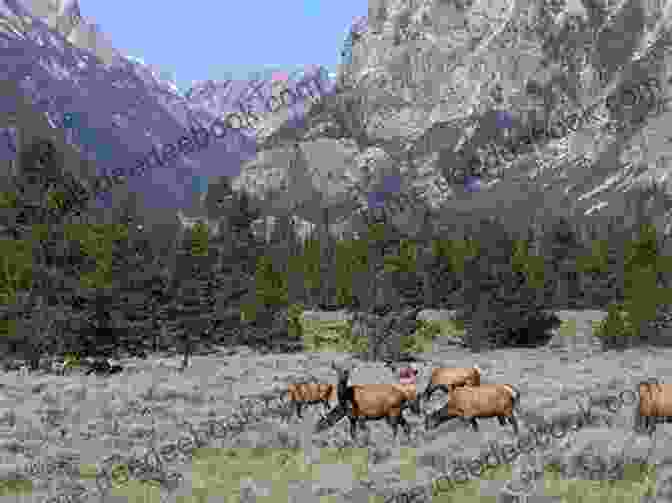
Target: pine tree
(195,289)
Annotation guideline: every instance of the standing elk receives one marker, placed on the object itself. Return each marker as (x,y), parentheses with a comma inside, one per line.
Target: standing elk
(366,402)
(450,379)
(655,404)
(486,400)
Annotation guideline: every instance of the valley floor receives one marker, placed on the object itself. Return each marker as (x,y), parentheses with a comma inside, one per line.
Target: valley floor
(86,420)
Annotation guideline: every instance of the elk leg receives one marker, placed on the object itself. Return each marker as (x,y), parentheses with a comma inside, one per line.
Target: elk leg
(474,424)
(393,421)
(650,425)
(299,406)
(405,426)
(353,428)
(640,423)
(514,423)
(501,420)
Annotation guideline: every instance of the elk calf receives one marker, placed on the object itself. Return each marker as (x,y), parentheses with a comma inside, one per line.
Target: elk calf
(655,401)
(310,393)
(366,402)
(487,400)
(451,378)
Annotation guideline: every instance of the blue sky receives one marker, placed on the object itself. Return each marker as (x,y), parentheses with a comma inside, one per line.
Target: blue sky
(220,39)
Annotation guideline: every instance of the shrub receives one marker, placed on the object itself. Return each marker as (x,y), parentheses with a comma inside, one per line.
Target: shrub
(332,336)
(420,341)
(514,325)
(248,312)
(71,360)
(294,316)
(616,330)
(507,317)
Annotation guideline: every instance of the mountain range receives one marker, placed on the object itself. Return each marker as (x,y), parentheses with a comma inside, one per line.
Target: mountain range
(422,89)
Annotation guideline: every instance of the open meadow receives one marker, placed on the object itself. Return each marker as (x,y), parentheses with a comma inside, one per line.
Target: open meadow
(221,430)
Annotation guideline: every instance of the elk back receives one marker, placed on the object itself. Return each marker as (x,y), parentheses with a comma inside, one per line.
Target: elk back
(375,400)
(655,399)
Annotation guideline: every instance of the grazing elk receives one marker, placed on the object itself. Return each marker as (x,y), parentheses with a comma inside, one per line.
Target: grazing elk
(310,393)
(366,402)
(487,400)
(655,404)
(450,379)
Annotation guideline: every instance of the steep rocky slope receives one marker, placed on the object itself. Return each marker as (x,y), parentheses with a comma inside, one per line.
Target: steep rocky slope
(426,79)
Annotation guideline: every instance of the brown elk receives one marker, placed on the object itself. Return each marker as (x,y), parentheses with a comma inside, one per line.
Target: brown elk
(310,393)
(486,400)
(366,402)
(655,404)
(451,378)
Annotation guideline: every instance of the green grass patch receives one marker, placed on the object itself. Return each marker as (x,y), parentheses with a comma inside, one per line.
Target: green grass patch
(408,464)
(358,459)
(88,471)
(454,328)
(338,336)
(71,360)
(422,339)
(334,499)
(217,473)
(639,480)
(617,323)
(15,487)
(470,490)
(331,336)
(568,328)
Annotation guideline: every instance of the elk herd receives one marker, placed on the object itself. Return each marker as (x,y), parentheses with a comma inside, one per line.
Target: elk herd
(468,399)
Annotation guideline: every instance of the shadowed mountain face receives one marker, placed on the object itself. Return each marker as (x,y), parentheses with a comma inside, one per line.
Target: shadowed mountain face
(125,109)
(430,115)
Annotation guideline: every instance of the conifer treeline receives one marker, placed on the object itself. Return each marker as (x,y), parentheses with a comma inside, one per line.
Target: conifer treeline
(81,286)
